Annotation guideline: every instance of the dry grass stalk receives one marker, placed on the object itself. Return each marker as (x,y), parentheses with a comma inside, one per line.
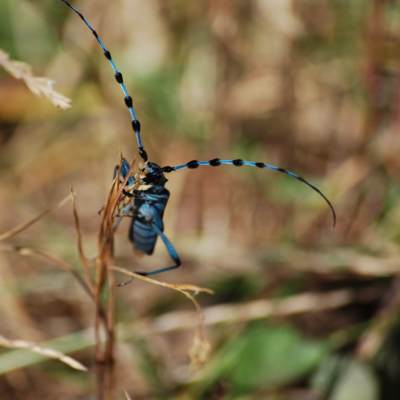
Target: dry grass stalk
(26,225)
(180,287)
(127,395)
(111,211)
(308,302)
(37,85)
(104,351)
(83,259)
(26,251)
(200,350)
(50,353)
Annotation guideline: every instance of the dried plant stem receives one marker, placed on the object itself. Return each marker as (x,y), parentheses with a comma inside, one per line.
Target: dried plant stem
(88,286)
(127,395)
(44,351)
(25,251)
(26,225)
(83,259)
(308,302)
(180,287)
(104,351)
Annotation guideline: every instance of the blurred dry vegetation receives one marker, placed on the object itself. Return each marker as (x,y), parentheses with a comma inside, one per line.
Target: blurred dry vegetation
(310,312)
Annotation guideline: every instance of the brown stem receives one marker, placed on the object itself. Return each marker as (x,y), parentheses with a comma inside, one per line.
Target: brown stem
(84,261)
(104,353)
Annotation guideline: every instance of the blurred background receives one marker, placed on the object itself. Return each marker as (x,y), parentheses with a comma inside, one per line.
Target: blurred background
(306,85)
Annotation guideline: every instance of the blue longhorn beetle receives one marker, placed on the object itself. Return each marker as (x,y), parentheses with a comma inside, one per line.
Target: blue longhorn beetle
(149,204)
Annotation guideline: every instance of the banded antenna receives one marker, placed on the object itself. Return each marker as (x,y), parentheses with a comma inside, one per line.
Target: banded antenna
(119,79)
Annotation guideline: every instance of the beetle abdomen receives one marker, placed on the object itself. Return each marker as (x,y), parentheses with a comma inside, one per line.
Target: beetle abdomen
(143,237)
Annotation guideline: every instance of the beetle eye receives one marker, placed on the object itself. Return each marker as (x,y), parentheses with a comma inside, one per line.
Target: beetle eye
(148,180)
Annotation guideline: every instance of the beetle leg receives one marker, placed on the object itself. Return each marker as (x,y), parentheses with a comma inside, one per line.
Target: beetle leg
(171,251)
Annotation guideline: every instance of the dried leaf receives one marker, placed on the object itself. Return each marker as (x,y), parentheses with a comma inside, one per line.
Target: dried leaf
(200,350)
